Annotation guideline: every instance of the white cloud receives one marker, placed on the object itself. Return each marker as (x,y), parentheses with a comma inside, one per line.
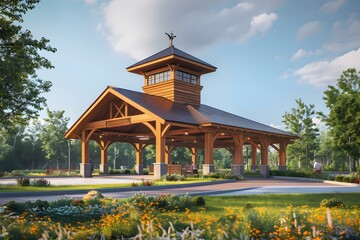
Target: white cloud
(308,29)
(322,73)
(345,35)
(332,6)
(90,2)
(137,27)
(301,53)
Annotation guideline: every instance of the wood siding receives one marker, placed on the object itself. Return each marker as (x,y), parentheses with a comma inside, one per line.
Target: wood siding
(176,91)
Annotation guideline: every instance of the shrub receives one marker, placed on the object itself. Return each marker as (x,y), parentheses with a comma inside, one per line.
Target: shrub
(61,202)
(22,181)
(332,202)
(339,178)
(146,183)
(42,205)
(146,171)
(41,182)
(127,171)
(163,202)
(14,207)
(2,174)
(175,177)
(198,201)
(346,179)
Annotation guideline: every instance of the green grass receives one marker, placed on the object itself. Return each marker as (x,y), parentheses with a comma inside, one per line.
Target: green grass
(14,188)
(215,204)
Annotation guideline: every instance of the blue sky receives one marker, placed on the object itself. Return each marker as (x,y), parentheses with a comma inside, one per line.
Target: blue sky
(268,53)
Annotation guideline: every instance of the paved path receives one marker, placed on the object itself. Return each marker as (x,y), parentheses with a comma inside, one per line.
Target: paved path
(250,186)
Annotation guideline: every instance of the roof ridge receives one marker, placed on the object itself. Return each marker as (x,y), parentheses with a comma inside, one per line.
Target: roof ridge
(198,113)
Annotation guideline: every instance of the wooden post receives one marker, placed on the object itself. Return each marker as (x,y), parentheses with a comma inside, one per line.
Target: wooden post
(139,168)
(282,157)
(254,165)
(237,166)
(264,168)
(160,167)
(193,155)
(85,166)
(208,166)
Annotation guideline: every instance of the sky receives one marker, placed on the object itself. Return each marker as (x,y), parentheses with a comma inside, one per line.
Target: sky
(267,52)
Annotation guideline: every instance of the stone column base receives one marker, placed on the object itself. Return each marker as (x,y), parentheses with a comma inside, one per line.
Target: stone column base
(139,169)
(160,169)
(237,170)
(265,170)
(254,167)
(208,168)
(85,170)
(104,169)
(282,168)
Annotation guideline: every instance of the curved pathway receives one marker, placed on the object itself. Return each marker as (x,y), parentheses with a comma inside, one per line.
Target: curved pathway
(250,186)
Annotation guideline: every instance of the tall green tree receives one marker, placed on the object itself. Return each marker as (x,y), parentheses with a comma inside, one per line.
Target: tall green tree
(300,122)
(52,137)
(343,101)
(20,87)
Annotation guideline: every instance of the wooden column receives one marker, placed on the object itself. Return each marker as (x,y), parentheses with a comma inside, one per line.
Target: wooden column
(264,168)
(104,166)
(85,165)
(138,154)
(237,166)
(193,154)
(254,165)
(160,167)
(282,157)
(167,154)
(208,165)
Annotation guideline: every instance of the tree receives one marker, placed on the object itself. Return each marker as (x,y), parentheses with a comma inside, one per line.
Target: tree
(52,137)
(343,101)
(300,122)
(20,87)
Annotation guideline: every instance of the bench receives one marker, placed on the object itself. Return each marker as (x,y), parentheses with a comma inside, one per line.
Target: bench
(174,169)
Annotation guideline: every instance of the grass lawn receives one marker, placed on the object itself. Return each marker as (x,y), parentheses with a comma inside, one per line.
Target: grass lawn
(276,201)
(14,188)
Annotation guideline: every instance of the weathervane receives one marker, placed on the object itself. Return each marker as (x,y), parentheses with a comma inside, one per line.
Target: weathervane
(171,37)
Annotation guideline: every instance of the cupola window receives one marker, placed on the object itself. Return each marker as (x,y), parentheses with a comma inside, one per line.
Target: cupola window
(159,77)
(186,77)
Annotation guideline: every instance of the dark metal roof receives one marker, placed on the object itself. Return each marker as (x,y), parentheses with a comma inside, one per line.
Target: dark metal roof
(168,52)
(182,113)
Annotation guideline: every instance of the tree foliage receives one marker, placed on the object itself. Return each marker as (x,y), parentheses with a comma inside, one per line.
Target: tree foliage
(343,101)
(53,142)
(20,87)
(300,122)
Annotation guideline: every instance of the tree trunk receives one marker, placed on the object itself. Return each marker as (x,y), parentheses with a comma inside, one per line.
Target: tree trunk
(352,164)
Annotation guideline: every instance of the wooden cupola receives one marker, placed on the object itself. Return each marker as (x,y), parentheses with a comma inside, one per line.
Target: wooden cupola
(173,74)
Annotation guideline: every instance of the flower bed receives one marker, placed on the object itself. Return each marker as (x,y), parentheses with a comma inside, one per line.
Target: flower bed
(175,217)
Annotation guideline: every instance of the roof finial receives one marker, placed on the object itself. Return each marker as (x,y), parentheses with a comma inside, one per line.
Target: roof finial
(171,38)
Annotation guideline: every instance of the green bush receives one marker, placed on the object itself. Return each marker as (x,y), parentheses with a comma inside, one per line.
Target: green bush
(22,181)
(145,171)
(2,174)
(198,201)
(14,207)
(41,182)
(332,202)
(61,202)
(164,202)
(339,178)
(174,177)
(346,179)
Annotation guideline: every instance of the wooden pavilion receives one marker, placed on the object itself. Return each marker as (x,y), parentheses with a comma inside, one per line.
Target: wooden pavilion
(169,114)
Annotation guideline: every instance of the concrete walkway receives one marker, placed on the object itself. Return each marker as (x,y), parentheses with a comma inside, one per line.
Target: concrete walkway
(250,186)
